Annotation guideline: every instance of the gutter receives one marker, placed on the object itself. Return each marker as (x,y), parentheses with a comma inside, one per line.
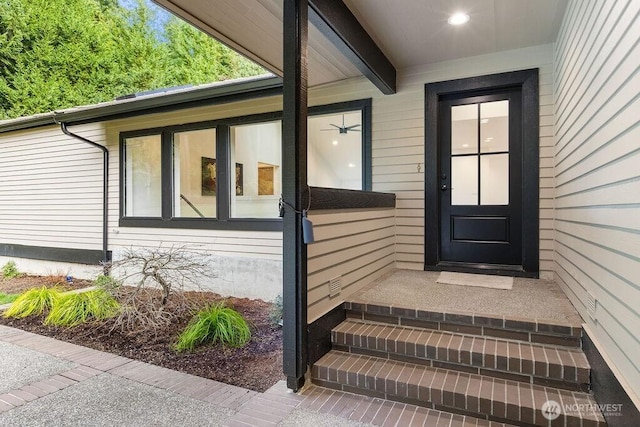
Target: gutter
(210,94)
(105,189)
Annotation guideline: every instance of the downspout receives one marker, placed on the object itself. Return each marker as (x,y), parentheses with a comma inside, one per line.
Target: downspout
(105,190)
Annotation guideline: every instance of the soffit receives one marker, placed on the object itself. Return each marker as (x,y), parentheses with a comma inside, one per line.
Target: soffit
(254,28)
(416,32)
(409,32)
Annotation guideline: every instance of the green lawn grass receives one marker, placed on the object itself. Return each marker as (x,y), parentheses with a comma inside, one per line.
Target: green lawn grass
(7,298)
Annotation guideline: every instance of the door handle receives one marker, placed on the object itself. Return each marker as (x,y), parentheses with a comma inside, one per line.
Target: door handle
(444,187)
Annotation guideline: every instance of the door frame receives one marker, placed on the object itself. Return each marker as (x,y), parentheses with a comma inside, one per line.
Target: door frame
(527,82)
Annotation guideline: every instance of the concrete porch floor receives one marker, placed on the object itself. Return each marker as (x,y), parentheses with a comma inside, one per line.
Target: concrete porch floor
(529,299)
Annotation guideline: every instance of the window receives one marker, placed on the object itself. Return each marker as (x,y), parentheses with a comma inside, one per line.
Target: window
(143,195)
(480,142)
(194,174)
(335,150)
(339,149)
(256,149)
(227,174)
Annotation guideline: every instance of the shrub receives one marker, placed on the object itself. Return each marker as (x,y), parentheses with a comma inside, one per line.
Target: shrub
(10,271)
(7,298)
(275,312)
(215,323)
(74,309)
(106,282)
(33,302)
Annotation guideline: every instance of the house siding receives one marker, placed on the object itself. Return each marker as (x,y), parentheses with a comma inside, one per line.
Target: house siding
(51,189)
(398,140)
(597,178)
(356,246)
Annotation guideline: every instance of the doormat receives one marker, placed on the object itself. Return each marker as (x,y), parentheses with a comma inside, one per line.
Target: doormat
(480,280)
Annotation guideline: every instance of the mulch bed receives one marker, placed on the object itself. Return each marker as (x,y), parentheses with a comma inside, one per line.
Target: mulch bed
(257,366)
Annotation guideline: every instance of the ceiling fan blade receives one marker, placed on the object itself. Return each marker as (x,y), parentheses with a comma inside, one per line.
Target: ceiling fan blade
(352,127)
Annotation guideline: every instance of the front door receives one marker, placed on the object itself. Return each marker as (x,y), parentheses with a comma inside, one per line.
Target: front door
(482,172)
(481,179)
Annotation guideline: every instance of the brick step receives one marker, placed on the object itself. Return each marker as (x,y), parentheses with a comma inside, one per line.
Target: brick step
(479,396)
(536,331)
(554,366)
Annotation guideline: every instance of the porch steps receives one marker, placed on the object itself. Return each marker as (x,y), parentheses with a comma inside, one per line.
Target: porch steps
(534,331)
(561,367)
(487,367)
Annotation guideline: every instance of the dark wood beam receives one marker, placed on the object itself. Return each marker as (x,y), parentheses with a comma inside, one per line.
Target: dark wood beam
(294,188)
(334,19)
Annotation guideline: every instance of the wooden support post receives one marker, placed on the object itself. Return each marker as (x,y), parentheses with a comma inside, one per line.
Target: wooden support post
(294,187)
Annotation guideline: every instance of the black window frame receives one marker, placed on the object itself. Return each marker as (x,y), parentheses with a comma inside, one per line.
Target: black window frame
(222,127)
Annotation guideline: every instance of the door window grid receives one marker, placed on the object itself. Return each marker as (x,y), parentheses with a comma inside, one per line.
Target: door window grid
(480,154)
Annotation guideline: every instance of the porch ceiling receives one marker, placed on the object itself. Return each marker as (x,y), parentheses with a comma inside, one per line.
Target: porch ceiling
(409,32)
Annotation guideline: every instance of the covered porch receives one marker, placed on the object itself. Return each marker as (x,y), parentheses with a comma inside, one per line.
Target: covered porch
(328,280)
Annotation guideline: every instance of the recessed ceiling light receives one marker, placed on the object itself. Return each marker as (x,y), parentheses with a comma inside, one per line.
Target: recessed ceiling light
(458,18)
(483,121)
(335,142)
(352,165)
(465,145)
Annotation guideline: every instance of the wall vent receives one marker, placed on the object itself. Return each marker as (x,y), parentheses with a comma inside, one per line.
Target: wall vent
(335,287)
(591,306)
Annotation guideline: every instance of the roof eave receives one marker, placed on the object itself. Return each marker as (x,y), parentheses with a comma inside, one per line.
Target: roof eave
(150,104)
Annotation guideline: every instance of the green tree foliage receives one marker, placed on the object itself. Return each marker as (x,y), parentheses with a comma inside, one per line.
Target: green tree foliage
(61,53)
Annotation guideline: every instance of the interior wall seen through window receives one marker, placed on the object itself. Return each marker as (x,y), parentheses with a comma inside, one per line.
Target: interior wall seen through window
(256,157)
(143,177)
(194,174)
(335,150)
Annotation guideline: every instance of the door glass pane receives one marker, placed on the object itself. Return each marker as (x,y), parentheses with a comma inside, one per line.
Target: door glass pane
(256,184)
(494,126)
(494,179)
(143,180)
(464,180)
(194,174)
(464,129)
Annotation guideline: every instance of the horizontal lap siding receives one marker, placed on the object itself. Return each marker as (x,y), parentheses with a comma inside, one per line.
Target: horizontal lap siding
(358,246)
(51,189)
(597,178)
(398,141)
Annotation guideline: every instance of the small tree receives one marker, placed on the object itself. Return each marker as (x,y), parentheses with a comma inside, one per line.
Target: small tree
(168,269)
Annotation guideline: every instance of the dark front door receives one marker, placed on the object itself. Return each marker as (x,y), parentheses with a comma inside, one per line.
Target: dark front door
(480,164)
(482,174)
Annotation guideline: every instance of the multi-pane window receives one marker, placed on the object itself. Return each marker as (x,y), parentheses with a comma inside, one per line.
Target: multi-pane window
(480,154)
(228,173)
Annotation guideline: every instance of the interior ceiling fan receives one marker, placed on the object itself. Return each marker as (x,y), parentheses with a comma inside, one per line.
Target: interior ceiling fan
(343,128)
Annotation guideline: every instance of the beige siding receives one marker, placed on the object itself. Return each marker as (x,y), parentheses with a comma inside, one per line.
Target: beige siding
(597,177)
(398,140)
(356,246)
(51,189)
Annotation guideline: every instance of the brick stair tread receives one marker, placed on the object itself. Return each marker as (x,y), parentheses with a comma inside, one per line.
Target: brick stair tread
(536,330)
(566,364)
(418,415)
(470,393)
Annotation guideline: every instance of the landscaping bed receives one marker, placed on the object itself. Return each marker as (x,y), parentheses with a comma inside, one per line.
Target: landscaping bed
(257,366)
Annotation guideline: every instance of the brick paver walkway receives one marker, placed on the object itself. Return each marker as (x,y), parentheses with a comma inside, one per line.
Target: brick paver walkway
(251,408)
